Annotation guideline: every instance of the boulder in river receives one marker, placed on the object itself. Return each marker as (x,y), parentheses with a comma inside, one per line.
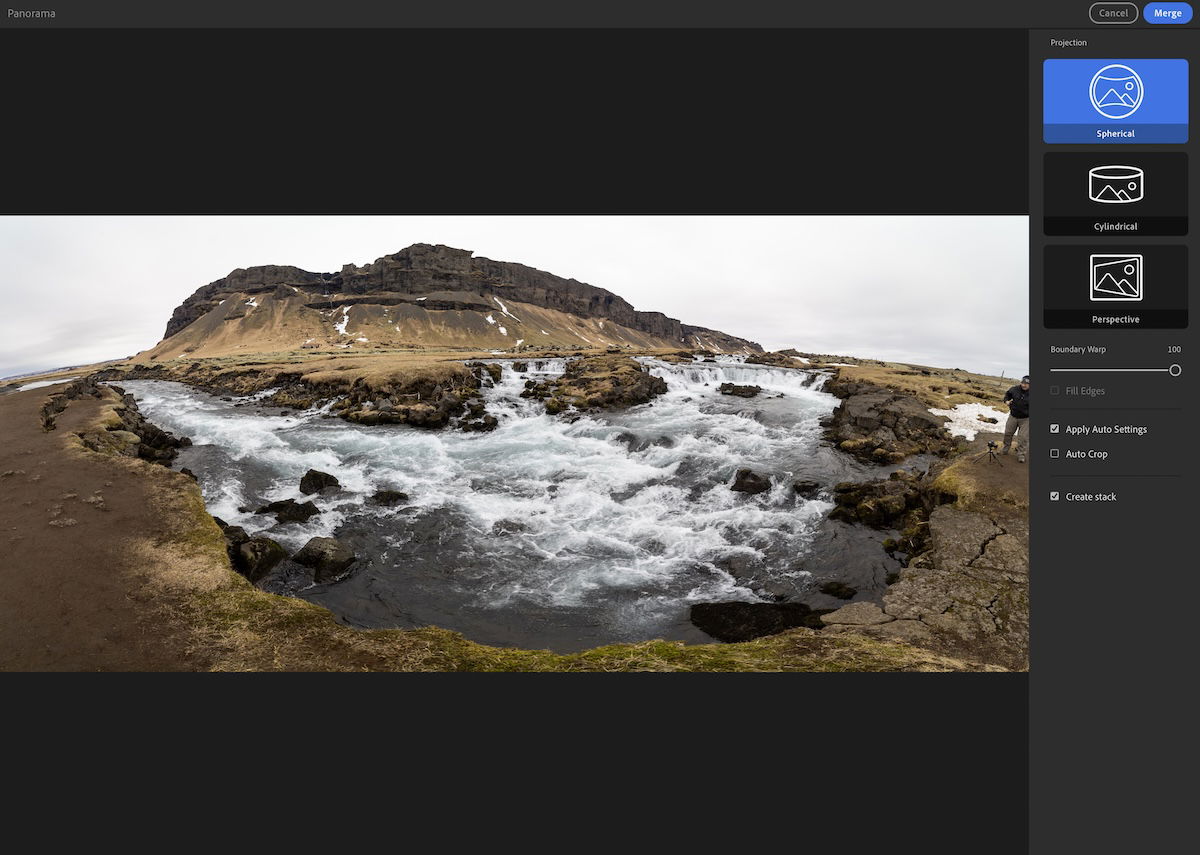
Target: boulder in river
(838,589)
(502,528)
(387,498)
(739,391)
(738,621)
(880,504)
(748,481)
(806,489)
(255,558)
(314,482)
(327,556)
(289,510)
(605,382)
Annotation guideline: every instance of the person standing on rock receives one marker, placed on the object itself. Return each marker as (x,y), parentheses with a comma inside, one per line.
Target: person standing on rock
(1017,425)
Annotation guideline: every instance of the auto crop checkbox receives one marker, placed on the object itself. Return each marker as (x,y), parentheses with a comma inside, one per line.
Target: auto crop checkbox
(1054,452)
(1054,495)
(1053,428)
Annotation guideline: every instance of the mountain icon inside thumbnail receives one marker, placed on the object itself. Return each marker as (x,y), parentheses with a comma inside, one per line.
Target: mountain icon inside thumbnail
(1116,278)
(1116,91)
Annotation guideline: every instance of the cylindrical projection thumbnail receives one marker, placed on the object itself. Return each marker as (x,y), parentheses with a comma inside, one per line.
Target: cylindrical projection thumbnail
(1116,185)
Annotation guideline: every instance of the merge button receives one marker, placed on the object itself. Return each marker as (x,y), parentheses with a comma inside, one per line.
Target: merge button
(1168,13)
(1113,13)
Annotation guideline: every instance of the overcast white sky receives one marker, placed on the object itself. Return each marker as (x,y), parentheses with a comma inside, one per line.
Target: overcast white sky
(944,291)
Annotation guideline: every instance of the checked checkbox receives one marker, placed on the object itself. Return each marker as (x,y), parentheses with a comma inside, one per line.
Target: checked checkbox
(1053,428)
(1054,495)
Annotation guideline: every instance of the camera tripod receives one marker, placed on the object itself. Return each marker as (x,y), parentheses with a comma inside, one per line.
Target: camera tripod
(990,451)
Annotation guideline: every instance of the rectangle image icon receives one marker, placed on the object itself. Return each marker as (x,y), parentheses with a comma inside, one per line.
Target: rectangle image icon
(1115,101)
(1116,278)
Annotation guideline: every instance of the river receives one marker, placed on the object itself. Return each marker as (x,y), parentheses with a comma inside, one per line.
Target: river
(547,532)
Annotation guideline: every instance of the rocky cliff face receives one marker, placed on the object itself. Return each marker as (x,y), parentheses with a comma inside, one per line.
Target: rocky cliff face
(448,279)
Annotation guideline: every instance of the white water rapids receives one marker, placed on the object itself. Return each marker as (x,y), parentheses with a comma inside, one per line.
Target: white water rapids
(545,532)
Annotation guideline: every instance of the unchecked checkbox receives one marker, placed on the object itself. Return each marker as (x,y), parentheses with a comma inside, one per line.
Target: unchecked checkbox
(1054,495)
(1053,428)
(1053,390)
(1054,452)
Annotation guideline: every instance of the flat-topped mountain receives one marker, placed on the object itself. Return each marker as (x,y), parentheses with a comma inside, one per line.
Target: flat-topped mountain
(422,296)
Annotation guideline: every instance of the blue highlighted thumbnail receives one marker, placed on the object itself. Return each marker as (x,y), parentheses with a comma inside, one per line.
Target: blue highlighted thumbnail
(1115,101)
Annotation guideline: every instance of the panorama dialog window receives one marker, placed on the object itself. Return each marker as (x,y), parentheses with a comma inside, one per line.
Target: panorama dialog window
(843,343)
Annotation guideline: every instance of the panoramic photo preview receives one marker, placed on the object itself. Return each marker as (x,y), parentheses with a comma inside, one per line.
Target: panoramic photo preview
(519,443)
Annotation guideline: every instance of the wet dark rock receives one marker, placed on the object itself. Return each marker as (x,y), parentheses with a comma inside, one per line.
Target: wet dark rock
(235,535)
(748,481)
(503,528)
(742,567)
(879,504)
(640,443)
(739,391)
(314,481)
(738,621)
(387,498)
(255,557)
(485,424)
(189,473)
(806,489)
(327,556)
(289,510)
(777,591)
(838,589)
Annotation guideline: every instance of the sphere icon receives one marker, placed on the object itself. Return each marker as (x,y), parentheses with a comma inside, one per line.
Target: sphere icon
(1116,91)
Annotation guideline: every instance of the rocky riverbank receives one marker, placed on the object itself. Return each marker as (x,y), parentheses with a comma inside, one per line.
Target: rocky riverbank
(148,585)
(882,425)
(965,541)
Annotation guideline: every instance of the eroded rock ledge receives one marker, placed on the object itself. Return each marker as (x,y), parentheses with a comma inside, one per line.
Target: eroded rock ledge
(603,382)
(965,590)
(126,433)
(883,426)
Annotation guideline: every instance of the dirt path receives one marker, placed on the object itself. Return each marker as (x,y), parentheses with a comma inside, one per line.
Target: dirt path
(69,585)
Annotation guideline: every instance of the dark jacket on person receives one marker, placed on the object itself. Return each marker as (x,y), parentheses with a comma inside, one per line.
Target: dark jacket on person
(1018,402)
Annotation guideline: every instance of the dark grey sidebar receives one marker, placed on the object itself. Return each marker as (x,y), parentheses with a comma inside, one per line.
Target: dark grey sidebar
(1112,188)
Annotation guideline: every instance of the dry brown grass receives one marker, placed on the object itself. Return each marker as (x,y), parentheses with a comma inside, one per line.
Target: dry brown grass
(941,387)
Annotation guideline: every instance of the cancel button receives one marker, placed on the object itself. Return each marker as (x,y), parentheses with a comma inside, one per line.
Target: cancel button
(1113,13)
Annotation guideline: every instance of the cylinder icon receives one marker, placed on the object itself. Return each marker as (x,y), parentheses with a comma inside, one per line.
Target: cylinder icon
(1116,185)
